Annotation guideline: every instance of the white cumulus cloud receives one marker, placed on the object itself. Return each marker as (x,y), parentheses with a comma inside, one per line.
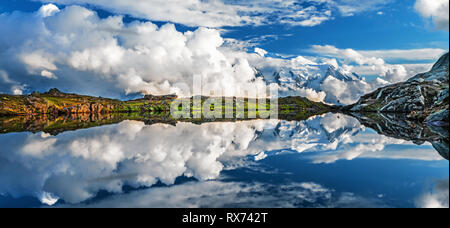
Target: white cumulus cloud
(437,10)
(76,47)
(48,10)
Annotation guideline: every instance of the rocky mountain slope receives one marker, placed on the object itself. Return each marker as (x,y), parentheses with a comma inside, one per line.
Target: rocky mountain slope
(423,97)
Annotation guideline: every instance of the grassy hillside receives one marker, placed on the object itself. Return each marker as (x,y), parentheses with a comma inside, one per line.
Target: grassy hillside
(55,102)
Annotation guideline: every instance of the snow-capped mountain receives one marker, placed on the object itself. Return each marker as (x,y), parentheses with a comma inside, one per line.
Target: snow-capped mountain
(340,86)
(314,76)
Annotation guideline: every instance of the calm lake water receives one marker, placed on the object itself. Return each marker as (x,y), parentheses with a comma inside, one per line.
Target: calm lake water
(325,161)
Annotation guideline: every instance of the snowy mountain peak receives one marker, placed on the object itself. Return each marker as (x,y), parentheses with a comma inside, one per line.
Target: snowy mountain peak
(326,82)
(341,74)
(312,75)
(313,79)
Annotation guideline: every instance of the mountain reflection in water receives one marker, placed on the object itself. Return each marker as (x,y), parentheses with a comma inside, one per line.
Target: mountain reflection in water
(325,161)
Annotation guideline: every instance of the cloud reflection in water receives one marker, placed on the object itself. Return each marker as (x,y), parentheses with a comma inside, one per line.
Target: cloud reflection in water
(75,166)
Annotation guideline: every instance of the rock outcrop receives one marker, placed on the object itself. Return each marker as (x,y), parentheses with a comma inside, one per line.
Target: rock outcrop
(95,108)
(423,97)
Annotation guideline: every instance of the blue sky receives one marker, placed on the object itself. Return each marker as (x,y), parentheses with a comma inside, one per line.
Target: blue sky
(375,38)
(399,27)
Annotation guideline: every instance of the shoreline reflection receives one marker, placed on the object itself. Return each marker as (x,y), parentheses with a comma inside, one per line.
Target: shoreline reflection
(73,167)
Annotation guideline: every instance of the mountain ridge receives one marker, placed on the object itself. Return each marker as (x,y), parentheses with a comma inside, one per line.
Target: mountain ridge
(316,77)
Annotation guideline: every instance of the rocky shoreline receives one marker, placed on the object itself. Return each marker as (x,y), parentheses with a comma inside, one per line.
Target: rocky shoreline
(423,98)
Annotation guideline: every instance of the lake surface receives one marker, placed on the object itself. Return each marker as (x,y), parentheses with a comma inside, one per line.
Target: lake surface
(326,161)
